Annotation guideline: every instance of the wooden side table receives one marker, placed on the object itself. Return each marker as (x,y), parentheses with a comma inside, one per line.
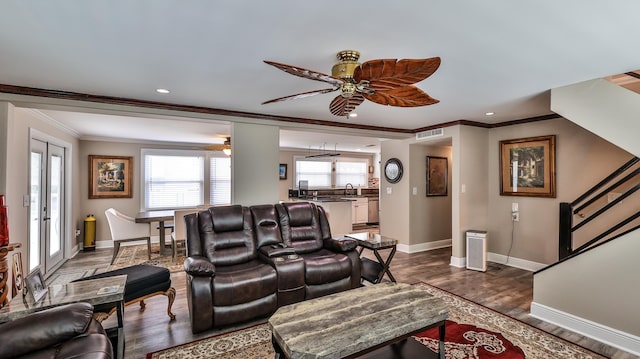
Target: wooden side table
(4,271)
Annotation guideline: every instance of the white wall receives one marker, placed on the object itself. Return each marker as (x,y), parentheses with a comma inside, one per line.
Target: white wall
(595,293)
(582,160)
(254,163)
(430,223)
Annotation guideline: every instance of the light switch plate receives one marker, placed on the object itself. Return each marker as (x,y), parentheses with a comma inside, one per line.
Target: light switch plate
(415,191)
(388,190)
(25,200)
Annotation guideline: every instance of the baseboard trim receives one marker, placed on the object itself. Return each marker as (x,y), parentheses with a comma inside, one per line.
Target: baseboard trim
(109,244)
(423,247)
(610,336)
(515,262)
(459,262)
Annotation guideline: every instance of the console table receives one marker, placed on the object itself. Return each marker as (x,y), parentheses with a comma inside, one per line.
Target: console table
(108,290)
(372,271)
(358,321)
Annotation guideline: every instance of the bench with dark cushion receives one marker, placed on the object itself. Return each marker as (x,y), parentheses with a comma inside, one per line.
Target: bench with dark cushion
(143,281)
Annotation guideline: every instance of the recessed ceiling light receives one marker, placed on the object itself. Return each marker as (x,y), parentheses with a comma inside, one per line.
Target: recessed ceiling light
(489,113)
(353,115)
(162,91)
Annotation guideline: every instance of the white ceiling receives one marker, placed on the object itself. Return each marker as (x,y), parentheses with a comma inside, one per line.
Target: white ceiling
(499,56)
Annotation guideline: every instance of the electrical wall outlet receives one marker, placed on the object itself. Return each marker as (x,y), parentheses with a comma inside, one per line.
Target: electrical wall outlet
(515,216)
(77,232)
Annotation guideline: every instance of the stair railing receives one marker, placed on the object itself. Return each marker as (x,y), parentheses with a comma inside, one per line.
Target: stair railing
(591,196)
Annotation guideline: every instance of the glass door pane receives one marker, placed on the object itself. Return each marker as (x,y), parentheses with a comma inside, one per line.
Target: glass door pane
(55,198)
(35,208)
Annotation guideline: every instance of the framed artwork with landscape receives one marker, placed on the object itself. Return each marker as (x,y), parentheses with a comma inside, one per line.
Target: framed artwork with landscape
(528,167)
(110,177)
(437,176)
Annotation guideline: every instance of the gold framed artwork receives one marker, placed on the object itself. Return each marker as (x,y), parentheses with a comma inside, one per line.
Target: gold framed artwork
(110,177)
(528,167)
(437,176)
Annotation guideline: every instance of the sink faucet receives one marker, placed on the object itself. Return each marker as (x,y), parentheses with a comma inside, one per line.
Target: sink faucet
(348,189)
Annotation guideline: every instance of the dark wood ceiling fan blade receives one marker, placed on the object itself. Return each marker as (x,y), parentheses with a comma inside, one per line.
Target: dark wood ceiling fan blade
(306,73)
(405,96)
(342,106)
(384,74)
(300,95)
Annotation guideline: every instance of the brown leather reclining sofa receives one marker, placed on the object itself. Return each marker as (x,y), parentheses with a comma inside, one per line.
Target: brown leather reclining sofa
(67,331)
(245,262)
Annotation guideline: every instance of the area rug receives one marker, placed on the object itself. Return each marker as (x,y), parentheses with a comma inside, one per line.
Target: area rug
(488,332)
(137,254)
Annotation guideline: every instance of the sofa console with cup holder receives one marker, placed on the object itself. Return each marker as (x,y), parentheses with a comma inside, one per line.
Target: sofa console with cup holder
(244,262)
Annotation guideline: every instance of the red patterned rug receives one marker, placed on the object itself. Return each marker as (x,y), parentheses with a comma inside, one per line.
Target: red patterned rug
(469,341)
(474,331)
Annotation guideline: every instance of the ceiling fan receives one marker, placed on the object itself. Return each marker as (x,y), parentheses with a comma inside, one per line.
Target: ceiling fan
(384,81)
(225,147)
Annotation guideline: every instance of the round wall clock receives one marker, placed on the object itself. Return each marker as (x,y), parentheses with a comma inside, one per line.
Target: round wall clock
(393,170)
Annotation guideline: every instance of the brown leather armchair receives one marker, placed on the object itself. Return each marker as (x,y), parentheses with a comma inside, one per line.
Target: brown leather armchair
(226,282)
(331,265)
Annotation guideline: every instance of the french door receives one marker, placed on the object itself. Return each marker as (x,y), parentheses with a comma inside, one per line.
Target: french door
(47,209)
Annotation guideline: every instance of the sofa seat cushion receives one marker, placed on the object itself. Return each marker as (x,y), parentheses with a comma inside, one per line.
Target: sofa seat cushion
(242,283)
(324,266)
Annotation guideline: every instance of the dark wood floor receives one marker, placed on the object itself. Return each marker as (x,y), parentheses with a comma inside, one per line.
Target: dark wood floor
(505,289)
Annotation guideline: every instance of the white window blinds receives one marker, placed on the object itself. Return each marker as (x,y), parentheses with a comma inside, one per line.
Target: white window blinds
(173,181)
(318,173)
(351,172)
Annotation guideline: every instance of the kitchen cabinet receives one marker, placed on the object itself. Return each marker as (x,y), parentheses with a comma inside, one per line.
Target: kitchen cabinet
(359,210)
(374,215)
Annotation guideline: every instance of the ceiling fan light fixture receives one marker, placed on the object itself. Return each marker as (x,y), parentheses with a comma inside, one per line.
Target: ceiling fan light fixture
(227,149)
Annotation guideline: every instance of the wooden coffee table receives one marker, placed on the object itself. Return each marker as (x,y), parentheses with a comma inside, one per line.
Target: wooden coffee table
(356,322)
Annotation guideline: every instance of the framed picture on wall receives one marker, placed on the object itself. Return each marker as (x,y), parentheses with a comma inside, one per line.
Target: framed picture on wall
(528,167)
(110,177)
(437,176)
(283,171)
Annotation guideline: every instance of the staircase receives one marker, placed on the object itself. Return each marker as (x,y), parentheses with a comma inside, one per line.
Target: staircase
(593,288)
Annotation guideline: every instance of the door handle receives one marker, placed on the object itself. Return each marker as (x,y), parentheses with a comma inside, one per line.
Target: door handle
(46,218)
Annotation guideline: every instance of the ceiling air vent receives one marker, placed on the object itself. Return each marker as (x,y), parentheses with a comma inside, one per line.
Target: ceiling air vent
(429,134)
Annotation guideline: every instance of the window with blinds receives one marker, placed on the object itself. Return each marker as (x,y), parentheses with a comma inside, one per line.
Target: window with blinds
(176,179)
(351,172)
(319,172)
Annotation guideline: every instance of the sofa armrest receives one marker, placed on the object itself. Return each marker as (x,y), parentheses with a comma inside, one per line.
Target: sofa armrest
(276,250)
(198,266)
(44,329)
(340,244)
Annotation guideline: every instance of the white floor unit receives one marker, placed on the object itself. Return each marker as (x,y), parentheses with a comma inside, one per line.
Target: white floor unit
(477,250)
